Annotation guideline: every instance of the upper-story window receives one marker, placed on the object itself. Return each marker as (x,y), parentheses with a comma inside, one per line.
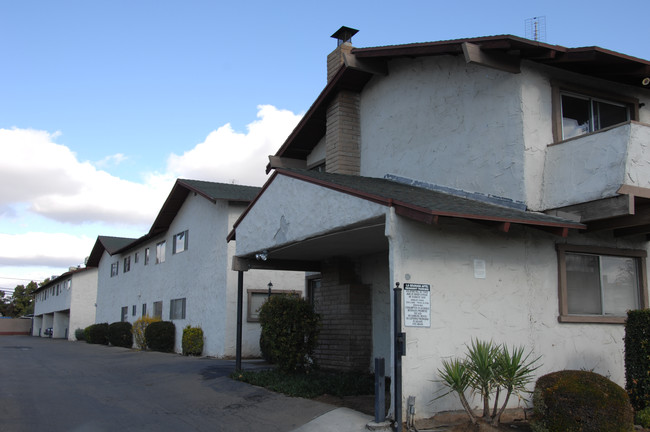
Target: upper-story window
(180,242)
(578,111)
(160,252)
(115,268)
(146,256)
(600,284)
(136,257)
(127,264)
(583,114)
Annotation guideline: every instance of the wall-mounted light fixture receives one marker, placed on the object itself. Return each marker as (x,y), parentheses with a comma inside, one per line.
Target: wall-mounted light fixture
(270,285)
(262,256)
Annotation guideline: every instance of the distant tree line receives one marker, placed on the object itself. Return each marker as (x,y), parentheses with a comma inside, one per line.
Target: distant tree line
(21,301)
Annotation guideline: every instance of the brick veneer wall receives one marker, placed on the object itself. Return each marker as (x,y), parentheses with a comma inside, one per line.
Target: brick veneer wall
(343,134)
(345,341)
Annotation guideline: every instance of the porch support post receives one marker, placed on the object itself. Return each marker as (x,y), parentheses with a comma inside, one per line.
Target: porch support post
(240,305)
(399,349)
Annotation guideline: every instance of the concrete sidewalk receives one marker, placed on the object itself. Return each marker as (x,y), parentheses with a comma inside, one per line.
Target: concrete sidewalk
(340,420)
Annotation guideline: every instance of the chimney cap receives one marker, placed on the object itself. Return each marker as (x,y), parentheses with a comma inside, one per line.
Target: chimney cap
(344,34)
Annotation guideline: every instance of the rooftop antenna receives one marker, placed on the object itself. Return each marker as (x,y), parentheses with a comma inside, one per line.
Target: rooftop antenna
(343,35)
(536,28)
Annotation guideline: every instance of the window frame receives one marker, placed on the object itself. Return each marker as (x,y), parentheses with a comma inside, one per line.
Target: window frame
(161,248)
(559,87)
(127,264)
(562,249)
(172,309)
(125,314)
(115,268)
(144,309)
(160,304)
(252,316)
(147,256)
(175,242)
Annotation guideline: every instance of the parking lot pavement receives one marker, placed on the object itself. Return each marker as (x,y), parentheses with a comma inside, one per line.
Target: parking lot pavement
(57,385)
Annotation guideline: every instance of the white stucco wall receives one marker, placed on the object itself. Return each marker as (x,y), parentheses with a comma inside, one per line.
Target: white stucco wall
(201,274)
(516,303)
(596,165)
(429,114)
(83,296)
(315,210)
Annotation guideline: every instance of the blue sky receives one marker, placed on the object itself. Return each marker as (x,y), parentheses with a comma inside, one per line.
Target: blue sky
(104,103)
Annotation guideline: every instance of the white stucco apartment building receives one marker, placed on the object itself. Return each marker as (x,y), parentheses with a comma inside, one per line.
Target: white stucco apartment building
(180,270)
(507,179)
(66,303)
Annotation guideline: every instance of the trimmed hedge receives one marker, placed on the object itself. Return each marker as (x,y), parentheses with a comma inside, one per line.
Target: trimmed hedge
(97,334)
(637,358)
(290,329)
(119,334)
(192,341)
(79,334)
(160,336)
(577,401)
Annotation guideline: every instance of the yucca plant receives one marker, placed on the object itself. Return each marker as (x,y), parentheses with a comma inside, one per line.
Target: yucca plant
(456,376)
(513,372)
(481,360)
(487,369)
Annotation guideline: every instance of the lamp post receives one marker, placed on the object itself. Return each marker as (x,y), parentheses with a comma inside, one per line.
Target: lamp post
(270,285)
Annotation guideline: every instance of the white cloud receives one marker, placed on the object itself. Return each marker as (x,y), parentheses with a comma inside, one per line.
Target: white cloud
(56,185)
(41,180)
(227,155)
(112,160)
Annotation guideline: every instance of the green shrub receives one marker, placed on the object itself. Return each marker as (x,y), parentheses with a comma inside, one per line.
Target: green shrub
(580,401)
(160,336)
(290,329)
(97,334)
(79,334)
(637,358)
(138,330)
(119,334)
(643,417)
(192,341)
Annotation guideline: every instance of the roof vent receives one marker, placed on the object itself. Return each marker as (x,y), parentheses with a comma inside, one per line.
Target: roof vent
(343,35)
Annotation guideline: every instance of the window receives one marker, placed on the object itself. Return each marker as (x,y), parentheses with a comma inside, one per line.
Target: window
(136,257)
(578,111)
(146,256)
(600,284)
(133,310)
(256,299)
(160,252)
(177,309)
(157,309)
(114,268)
(180,242)
(144,309)
(313,287)
(127,264)
(125,313)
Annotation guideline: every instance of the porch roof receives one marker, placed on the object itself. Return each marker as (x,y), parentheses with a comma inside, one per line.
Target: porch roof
(426,205)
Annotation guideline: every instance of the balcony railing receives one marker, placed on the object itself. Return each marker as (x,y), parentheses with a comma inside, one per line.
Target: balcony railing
(596,165)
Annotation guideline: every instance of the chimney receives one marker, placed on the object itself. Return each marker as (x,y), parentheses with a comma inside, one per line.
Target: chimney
(343,38)
(343,131)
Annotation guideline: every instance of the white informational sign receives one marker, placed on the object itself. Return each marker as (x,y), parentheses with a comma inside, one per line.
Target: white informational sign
(417,305)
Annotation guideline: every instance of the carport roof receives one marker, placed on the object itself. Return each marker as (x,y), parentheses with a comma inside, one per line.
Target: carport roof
(427,205)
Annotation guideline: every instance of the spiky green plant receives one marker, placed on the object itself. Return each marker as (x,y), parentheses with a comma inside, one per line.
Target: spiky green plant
(481,358)
(513,372)
(456,376)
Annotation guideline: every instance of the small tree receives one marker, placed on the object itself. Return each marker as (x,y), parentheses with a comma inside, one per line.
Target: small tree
(488,369)
(138,330)
(290,329)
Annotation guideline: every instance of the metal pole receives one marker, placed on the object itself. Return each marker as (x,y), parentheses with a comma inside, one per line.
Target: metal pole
(398,349)
(240,305)
(380,389)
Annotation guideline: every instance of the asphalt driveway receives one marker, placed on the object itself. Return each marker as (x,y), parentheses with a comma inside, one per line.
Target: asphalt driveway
(57,385)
